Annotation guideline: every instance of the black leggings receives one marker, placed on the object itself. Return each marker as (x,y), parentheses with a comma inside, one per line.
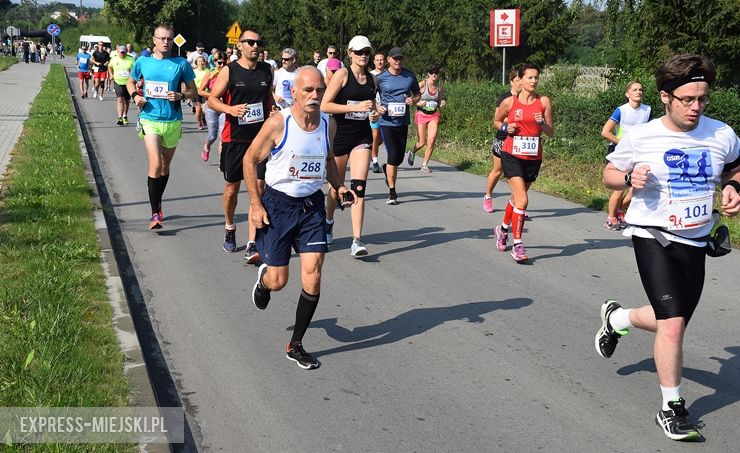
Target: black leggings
(394,138)
(673,276)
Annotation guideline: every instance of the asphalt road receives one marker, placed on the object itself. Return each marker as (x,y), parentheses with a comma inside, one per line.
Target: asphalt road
(434,342)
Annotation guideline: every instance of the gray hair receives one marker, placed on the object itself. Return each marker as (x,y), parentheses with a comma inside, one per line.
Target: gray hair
(290,51)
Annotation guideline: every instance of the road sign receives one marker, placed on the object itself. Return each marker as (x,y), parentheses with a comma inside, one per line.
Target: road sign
(233,40)
(234,32)
(12,31)
(179,40)
(53,30)
(504,28)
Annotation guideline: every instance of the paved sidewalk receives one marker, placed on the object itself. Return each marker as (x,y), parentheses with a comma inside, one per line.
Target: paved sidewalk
(19,85)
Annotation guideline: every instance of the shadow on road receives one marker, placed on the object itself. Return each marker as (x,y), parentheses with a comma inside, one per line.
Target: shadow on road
(575,249)
(409,324)
(724,383)
(416,197)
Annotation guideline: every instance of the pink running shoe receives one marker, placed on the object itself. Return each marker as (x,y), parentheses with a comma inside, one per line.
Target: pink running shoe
(501,238)
(205,154)
(488,204)
(519,253)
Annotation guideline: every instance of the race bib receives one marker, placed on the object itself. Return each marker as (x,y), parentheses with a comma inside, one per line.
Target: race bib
(254,114)
(396,109)
(690,212)
(430,105)
(122,74)
(525,146)
(359,116)
(156,90)
(83,61)
(306,167)
(96,68)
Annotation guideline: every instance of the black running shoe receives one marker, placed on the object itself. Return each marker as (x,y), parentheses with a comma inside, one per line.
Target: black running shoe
(675,421)
(296,353)
(260,294)
(607,338)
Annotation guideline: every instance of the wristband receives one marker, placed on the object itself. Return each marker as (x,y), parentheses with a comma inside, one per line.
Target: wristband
(133,96)
(732,183)
(628,179)
(504,127)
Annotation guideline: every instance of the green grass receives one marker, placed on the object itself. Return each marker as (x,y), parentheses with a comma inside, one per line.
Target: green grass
(6,62)
(57,344)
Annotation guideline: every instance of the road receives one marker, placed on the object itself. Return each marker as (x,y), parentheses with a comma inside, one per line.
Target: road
(435,342)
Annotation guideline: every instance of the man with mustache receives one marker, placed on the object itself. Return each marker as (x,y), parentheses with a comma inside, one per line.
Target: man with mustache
(297,144)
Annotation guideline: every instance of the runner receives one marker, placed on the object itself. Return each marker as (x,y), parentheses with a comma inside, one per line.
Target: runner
(624,117)
(290,213)
(198,52)
(245,86)
(118,70)
(427,117)
(201,69)
(350,99)
(83,70)
(331,52)
(315,59)
(398,90)
(670,220)
(379,64)
(130,51)
(284,79)
(214,119)
(160,112)
(527,116)
(498,142)
(99,60)
(266,59)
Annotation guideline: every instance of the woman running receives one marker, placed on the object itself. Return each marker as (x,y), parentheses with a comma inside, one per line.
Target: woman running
(524,117)
(201,69)
(214,119)
(350,97)
(427,116)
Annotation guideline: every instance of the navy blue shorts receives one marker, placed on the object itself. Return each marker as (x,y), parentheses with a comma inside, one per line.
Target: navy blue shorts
(294,222)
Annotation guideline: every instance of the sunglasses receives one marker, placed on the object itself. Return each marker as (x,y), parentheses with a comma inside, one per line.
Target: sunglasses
(330,53)
(362,52)
(220,62)
(287,59)
(433,73)
(253,42)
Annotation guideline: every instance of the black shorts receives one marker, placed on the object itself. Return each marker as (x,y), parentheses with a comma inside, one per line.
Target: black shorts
(395,138)
(198,98)
(232,162)
(297,223)
(121,91)
(523,168)
(673,276)
(343,147)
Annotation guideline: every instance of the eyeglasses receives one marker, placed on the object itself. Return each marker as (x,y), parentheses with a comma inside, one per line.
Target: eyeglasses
(165,38)
(688,101)
(362,52)
(253,42)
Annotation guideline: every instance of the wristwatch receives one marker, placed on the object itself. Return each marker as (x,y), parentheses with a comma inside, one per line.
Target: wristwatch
(628,179)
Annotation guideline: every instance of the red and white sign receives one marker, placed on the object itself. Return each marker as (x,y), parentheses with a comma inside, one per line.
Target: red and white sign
(504,25)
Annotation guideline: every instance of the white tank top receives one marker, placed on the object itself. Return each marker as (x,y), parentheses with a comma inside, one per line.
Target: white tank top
(297,167)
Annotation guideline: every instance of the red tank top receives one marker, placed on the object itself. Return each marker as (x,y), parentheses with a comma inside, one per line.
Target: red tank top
(523,116)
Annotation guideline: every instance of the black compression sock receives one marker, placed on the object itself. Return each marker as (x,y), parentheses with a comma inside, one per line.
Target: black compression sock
(303,314)
(152,184)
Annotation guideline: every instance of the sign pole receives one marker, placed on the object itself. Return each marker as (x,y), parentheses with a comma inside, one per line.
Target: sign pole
(503,69)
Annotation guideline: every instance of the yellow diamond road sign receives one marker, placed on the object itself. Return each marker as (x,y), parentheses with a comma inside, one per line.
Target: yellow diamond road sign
(179,40)
(234,31)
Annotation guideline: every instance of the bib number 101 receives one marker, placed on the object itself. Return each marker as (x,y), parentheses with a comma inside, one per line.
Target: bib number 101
(696,211)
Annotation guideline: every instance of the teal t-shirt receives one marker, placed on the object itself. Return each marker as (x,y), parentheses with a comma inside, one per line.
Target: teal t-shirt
(161,76)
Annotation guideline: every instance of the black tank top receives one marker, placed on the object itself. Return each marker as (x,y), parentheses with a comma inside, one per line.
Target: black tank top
(247,86)
(353,91)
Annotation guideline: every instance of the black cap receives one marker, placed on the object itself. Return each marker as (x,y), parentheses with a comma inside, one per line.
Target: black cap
(200,46)
(433,68)
(395,52)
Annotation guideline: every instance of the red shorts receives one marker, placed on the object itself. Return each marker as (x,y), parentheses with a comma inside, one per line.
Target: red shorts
(424,118)
(83,75)
(101,75)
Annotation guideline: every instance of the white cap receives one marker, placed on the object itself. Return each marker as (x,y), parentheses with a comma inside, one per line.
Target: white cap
(233,57)
(359,42)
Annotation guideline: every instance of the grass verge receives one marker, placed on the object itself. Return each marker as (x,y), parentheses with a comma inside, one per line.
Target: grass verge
(562,175)
(6,62)
(57,344)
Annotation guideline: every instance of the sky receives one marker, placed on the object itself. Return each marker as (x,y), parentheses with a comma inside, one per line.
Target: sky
(90,3)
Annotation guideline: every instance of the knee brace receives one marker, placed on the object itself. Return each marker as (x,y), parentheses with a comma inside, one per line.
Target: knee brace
(358,185)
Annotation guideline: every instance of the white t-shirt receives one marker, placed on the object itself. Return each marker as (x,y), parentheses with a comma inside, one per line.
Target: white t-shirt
(321,66)
(625,117)
(196,54)
(271,63)
(282,83)
(685,169)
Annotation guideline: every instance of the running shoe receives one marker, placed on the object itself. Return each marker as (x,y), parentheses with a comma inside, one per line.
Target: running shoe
(612,224)
(425,168)
(251,255)
(138,126)
(329,233)
(205,154)
(502,237)
(155,222)
(410,156)
(260,294)
(296,353)
(119,121)
(519,253)
(488,204)
(230,240)
(125,120)
(620,219)
(675,421)
(101,97)
(606,337)
(375,167)
(392,199)
(161,214)
(358,248)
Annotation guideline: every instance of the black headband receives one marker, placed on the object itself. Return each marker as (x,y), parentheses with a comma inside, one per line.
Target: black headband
(696,75)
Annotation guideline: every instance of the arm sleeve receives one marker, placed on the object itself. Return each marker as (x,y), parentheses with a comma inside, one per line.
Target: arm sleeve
(733,158)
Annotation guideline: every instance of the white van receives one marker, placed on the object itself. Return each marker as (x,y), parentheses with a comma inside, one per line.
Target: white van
(91,40)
